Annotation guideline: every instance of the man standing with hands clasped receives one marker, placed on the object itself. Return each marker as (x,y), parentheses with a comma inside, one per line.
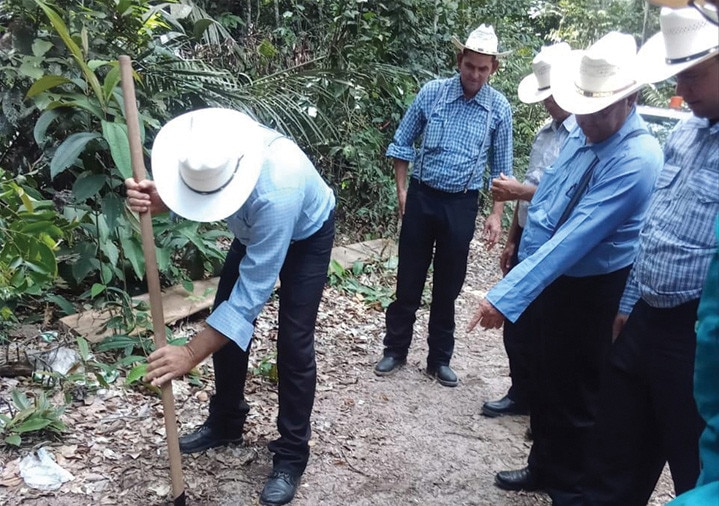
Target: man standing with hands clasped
(465,124)
(215,164)
(574,258)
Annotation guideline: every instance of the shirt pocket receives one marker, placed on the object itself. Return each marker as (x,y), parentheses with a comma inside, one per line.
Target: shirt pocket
(433,133)
(667,179)
(704,185)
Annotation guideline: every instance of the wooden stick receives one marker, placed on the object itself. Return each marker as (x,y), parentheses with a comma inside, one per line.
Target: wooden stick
(153,277)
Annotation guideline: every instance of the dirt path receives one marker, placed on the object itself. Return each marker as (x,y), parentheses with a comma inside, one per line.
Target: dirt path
(400,440)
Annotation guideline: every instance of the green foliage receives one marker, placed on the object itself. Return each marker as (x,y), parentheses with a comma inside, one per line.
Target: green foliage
(267,368)
(28,417)
(372,284)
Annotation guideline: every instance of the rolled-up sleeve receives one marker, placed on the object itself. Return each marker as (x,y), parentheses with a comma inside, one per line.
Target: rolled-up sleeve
(273,219)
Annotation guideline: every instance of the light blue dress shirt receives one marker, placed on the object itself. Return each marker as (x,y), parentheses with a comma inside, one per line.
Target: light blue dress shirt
(600,235)
(453,154)
(545,150)
(677,241)
(290,202)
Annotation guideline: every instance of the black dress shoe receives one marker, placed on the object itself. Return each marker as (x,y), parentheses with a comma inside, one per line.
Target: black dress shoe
(279,489)
(444,374)
(207,436)
(519,479)
(504,406)
(389,365)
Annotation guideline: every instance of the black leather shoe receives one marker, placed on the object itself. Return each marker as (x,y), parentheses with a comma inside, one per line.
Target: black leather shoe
(519,479)
(389,365)
(206,436)
(444,374)
(504,406)
(279,489)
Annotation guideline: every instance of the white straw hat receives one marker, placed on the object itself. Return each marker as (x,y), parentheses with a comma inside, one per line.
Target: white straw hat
(686,39)
(206,163)
(535,87)
(482,40)
(588,81)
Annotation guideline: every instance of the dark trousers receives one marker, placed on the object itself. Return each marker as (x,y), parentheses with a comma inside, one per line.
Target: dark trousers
(302,281)
(647,415)
(517,338)
(440,225)
(573,320)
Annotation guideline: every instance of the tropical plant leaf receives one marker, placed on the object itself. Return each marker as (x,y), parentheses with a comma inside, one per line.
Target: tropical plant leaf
(45,83)
(116,136)
(69,151)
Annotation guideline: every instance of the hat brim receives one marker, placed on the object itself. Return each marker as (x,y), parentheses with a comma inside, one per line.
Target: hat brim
(528,90)
(458,44)
(653,63)
(240,131)
(566,95)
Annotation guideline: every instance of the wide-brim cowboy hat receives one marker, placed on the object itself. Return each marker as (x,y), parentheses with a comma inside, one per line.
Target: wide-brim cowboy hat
(705,8)
(482,40)
(205,163)
(585,82)
(686,39)
(535,87)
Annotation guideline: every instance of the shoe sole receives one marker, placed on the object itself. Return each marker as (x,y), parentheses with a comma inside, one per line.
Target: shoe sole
(391,371)
(490,413)
(512,487)
(198,449)
(442,382)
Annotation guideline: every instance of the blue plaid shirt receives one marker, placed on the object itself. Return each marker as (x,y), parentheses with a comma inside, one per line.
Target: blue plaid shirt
(290,202)
(600,235)
(453,153)
(677,241)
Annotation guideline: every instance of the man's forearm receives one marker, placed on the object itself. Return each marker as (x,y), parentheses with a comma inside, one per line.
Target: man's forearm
(497,208)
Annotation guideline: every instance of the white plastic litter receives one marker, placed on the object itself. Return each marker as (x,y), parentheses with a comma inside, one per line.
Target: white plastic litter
(41,472)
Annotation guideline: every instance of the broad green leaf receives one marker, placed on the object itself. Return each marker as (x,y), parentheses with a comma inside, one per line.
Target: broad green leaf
(45,83)
(135,374)
(79,101)
(97,289)
(83,348)
(200,27)
(41,125)
(111,251)
(133,252)
(112,79)
(20,399)
(40,47)
(123,6)
(32,425)
(62,303)
(68,152)
(112,205)
(88,186)
(13,440)
(116,136)
(30,69)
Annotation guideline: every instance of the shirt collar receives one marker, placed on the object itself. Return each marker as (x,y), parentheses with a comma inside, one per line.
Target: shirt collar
(697,122)
(455,92)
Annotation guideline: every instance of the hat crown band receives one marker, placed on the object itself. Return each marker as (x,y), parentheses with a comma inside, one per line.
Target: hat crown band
(205,179)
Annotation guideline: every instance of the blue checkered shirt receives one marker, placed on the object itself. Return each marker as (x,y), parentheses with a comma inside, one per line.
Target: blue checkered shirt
(290,202)
(453,154)
(677,241)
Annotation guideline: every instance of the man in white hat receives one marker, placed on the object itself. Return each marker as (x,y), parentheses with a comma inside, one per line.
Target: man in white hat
(215,164)
(545,149)
(575,255)
(647,414)
(464,124)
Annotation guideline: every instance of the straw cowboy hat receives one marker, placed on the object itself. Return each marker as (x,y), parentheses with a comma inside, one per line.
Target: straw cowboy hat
(535,87)
(206,163)
(705,8)
(585,82)
(686,39)
(482,40)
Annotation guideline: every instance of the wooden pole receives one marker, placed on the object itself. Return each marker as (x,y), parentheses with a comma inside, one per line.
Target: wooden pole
(153,278)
